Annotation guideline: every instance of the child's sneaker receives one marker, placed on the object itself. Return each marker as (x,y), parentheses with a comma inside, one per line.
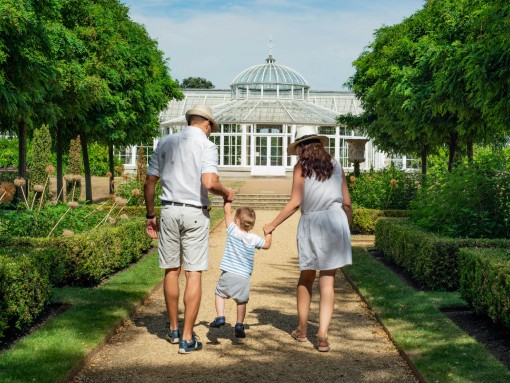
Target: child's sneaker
(173,336)
(239,330)
(187,347)
(217,322)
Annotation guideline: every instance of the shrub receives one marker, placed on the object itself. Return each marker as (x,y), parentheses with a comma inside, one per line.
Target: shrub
(432,260)
(485,282)
(389,188)
(73,171)
(24,288)
(41,159)
(86,259)
(99,161)
(8,152)
(473,201)
(363,220)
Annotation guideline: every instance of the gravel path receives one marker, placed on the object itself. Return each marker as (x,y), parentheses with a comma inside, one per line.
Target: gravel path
(361,351)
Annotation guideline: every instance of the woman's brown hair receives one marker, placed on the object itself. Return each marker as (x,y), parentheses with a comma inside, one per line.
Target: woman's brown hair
(315,160)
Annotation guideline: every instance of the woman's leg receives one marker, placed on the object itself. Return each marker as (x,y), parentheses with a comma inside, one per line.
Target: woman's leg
(304,298)
(327,301)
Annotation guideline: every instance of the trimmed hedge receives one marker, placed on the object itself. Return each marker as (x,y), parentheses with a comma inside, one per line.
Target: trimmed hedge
(24,290)
(363,220)
(485,282)
(430,259)
(86,259)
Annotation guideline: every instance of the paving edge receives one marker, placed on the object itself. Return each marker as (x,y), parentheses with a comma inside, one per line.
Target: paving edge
(402,353)
(69,377)
(73,372)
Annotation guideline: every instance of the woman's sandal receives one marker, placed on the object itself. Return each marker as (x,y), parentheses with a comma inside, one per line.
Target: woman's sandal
(299,336)
(323,344)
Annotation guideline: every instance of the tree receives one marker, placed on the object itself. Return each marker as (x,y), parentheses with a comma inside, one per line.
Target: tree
(196,83)
(26,66)
(134,82)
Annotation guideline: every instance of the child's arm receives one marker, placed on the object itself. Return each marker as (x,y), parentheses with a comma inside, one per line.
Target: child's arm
(228,213)
(269,238)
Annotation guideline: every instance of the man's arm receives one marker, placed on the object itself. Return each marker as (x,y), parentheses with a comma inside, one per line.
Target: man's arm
(212,183)
(149,189)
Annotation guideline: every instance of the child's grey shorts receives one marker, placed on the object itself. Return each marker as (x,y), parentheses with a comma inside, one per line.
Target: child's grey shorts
(231,285)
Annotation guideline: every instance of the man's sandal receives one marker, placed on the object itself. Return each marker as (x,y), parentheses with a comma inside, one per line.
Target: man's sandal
(299,336)
(323,344)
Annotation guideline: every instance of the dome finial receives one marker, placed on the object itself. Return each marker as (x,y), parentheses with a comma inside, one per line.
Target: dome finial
(270,59)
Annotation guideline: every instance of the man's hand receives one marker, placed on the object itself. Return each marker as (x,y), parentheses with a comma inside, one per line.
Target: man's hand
(230,196)
(151,227)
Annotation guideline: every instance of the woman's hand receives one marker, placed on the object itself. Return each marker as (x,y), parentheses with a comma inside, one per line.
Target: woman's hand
(268,228)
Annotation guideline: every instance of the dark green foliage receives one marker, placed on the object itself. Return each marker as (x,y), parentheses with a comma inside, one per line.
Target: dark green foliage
(389,188)
(485,282)
(196,83)
(431,260)
(363,220)
(472,201)
(24,288)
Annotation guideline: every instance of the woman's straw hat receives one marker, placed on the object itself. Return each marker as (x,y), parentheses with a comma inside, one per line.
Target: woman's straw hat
(303,134)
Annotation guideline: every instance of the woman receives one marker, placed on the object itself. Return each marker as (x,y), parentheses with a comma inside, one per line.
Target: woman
(323,236)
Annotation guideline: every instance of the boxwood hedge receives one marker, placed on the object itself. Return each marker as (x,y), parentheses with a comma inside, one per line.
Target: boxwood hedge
(485,282)
(431,259)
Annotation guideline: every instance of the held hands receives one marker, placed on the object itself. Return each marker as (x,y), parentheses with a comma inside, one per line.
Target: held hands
(151,228)
(268,228)
(231,195)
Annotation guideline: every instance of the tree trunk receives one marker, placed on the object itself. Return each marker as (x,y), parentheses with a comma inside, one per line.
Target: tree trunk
(469,149)
(86,167)
(452,146)
(60,173)
(22,160)
(111,164)
(424,153)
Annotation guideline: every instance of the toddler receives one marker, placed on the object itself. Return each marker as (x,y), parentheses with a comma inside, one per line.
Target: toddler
(237,265)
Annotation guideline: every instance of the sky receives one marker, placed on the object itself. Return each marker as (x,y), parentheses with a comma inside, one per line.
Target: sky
(217,40)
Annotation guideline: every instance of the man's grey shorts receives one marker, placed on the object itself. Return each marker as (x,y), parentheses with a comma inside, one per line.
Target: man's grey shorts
(184,237)
(231,285)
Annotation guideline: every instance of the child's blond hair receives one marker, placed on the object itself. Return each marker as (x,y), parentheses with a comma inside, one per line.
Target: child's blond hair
(246,216)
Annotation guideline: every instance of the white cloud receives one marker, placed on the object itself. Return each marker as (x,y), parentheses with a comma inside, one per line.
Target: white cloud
(321,44)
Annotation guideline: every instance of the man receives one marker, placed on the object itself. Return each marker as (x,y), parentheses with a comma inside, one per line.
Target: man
(186,164)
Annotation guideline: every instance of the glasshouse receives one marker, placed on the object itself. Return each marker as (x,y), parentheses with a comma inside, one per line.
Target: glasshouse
(258,117)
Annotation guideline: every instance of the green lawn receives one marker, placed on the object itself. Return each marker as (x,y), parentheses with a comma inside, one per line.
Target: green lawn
(440,350)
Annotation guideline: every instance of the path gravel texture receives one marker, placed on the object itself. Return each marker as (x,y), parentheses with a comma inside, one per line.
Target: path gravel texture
(361,351)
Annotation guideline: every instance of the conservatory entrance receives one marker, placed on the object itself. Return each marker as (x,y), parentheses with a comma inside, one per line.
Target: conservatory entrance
(267,154)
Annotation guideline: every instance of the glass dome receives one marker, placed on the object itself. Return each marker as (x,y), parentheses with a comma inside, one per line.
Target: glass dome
(269,80)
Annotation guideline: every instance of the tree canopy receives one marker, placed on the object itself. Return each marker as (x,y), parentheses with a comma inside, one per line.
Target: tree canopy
(436,79)
(196,83)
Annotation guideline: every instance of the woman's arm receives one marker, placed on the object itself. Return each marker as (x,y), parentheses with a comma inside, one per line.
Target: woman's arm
(296,197)
(346,197)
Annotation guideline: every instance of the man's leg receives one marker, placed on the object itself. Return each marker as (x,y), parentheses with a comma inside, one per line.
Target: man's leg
(171,292)
(192,298)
